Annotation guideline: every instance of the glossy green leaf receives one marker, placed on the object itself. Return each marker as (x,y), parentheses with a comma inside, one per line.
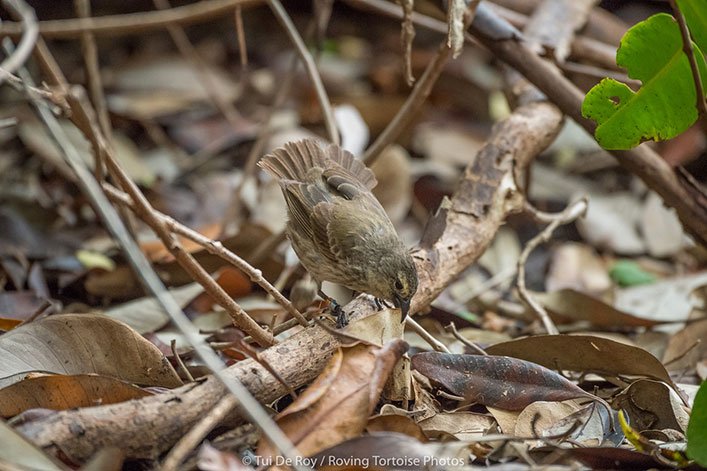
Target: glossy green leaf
(664,106)
(697,428)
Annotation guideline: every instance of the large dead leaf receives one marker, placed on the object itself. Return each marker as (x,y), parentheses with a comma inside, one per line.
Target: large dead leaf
(687,347)
(507,383)
(574,305)
(156,86)
(652,405)
(80,344)
(337,405)
(584,353)
(61,392)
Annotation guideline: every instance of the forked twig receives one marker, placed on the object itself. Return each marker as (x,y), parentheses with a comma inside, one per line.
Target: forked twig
(572,212)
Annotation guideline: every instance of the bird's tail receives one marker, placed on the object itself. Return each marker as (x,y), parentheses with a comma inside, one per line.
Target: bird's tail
(294,159)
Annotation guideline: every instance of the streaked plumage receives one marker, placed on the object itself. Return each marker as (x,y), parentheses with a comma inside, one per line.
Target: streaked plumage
(337,227)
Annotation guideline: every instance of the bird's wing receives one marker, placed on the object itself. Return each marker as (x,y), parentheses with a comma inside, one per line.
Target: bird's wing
(351,226)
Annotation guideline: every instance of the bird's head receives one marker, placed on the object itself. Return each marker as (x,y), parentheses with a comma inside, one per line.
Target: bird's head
(400,282)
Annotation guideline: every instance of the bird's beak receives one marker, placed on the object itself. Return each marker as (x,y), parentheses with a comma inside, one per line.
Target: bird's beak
(403,305)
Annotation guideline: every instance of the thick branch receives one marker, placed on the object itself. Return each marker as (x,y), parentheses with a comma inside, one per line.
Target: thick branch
(641,161)
(455,238)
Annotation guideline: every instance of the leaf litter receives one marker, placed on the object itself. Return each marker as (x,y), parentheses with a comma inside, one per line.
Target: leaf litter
(77,331)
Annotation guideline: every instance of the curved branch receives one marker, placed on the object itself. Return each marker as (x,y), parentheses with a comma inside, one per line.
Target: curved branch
(30,32)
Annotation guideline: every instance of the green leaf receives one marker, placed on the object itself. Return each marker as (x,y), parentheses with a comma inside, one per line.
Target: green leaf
(628,273)
(697,428)
(695,12)
(665,105)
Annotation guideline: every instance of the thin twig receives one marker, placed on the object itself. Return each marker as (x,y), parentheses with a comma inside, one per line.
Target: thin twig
(93,73)
(187,49)
(256,151)
(571,213)
(597,73)
(690,53)
(264,131)
(240,34)
(142,208)
(130,23)
(426,336)
(311,68)
(249,351)
(500,277)
(414,101)
(410,108)
(180,364)
(453,329)
(250,406)
(30,33)
(37,313)
(213,247)
(280,328)
(197,433)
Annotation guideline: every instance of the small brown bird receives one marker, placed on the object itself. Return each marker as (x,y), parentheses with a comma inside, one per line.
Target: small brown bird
(338,229)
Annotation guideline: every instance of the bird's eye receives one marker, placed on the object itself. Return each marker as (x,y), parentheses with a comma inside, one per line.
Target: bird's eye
(398,285)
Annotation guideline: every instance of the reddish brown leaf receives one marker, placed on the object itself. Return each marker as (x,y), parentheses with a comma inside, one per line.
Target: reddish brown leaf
(503,382)
(337,405)
(60,392)
(232,280)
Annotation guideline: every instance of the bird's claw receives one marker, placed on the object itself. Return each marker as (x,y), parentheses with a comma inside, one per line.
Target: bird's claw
(342,319)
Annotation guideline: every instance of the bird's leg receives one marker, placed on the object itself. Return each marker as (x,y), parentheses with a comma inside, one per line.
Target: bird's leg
(342,319)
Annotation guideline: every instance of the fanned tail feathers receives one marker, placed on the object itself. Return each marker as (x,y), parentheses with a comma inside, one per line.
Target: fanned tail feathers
(294,159)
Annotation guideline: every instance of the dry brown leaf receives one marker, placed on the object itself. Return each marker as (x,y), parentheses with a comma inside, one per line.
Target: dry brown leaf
(337,405)
(584,353)
(83,343)
(652,405)
(157,252)
(59,392)
(396,423)
(570,305)
(462,425)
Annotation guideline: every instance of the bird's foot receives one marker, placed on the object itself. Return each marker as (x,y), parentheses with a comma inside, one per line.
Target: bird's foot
(342,319)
